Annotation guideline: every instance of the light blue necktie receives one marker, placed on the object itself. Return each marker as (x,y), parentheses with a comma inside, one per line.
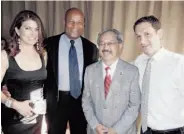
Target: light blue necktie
(75,88)
(145,94)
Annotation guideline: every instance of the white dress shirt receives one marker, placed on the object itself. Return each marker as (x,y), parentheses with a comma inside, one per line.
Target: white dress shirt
(166,92)
(111,70)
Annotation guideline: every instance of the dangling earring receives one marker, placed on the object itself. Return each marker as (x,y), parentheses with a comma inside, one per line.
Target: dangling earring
(37,46)
(18,40)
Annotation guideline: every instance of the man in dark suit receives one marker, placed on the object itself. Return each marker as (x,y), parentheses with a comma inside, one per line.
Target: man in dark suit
(68,55)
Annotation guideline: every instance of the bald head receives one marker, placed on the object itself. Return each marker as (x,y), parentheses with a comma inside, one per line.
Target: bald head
(74,23)
(73,10)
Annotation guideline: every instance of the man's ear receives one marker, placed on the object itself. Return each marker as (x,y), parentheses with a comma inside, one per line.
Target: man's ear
(121,48)
(160,32)
(64,22)
(17,31)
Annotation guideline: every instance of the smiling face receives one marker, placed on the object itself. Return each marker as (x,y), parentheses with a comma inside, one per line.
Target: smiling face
(74,24)
(109,47)
(148,38)
(28,32)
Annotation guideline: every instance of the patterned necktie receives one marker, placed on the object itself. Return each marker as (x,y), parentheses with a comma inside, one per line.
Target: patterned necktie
(107,81)
(145,94)
(75,89)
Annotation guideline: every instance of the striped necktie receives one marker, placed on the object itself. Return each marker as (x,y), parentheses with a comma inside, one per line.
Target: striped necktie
(107,81)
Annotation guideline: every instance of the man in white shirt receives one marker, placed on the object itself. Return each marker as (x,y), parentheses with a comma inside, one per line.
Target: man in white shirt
(111,97)
(161,81)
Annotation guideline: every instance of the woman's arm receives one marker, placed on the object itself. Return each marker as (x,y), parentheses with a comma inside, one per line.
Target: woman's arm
(4,67)
(22,107)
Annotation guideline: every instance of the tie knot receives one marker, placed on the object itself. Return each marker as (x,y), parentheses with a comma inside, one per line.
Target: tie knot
(72,42)
(149,60)
(107,68)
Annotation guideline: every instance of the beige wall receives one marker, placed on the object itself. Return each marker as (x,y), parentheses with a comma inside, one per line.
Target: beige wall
(110,14)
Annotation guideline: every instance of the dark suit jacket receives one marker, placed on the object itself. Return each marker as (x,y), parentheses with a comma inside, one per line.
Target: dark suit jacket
(90,53)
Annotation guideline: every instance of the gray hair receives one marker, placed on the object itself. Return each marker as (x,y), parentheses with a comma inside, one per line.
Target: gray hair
(118,34)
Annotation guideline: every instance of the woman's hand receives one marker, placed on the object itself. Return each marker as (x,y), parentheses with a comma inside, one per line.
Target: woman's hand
(23,107)
(5,91)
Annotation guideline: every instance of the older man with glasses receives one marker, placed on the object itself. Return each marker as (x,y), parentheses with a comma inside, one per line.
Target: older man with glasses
(111,97)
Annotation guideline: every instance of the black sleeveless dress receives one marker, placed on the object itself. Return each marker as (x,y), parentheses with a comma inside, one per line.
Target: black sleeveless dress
(20,84)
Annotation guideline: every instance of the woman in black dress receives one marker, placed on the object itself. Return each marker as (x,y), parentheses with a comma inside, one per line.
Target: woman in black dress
(23,70)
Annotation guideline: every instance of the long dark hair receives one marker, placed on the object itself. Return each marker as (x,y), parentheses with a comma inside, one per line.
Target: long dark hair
(13,45)
(3,43)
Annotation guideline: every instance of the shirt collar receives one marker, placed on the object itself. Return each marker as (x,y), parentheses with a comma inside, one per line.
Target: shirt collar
(68,39)
(112,66)
(157,56)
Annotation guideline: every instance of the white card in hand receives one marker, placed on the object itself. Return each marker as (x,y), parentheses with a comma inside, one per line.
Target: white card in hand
(36,95)
(40,107)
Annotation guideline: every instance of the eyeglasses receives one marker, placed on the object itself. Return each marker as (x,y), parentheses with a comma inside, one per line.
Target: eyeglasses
(108,43)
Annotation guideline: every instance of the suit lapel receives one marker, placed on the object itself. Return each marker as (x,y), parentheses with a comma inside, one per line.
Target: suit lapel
(55,62)
(100,80)
(85,52)
(55,56)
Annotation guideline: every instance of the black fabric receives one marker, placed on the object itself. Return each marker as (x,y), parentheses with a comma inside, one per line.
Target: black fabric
(90,53)
(171,131)
(20,128)
(68,109)
(20,83)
